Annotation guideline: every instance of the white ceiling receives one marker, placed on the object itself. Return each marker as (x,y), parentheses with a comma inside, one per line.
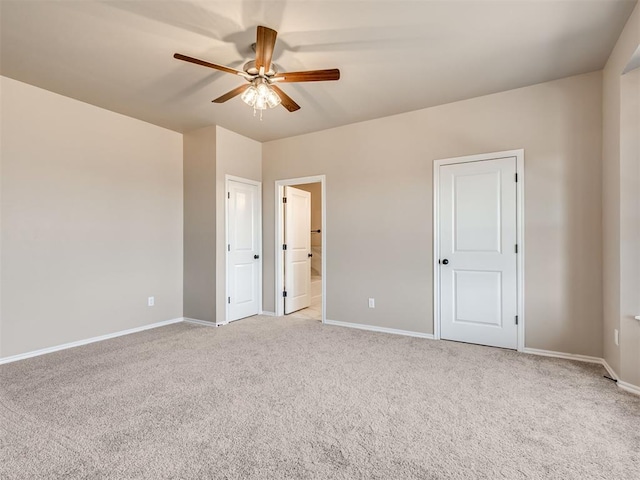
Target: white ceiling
(394,56)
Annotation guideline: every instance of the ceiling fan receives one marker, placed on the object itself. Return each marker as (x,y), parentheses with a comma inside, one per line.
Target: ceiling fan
(262,76)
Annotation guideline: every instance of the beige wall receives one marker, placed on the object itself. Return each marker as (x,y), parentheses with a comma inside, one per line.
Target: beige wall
(315,189)
(199,165)
(241,157)
(91,214)
(379,206)
(630,227)
(210,154)
(613,202)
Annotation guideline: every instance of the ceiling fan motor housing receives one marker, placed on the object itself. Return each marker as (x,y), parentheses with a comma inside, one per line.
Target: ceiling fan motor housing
(250,68)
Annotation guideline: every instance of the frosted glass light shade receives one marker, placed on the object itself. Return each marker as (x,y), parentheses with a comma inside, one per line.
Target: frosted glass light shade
(273,99)
(263,89)
(249,96)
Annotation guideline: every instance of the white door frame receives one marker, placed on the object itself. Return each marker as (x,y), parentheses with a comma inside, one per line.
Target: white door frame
(519,155)
(279,230)
(233,178)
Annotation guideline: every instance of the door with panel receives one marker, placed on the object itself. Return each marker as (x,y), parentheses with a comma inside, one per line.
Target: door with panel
(243,250)
(297,256)
(478,248)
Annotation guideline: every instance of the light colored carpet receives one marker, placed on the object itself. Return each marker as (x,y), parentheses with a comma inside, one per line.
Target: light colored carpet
(291,398)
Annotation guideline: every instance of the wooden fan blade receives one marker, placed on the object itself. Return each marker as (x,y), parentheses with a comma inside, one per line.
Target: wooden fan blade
(266,41)
(231,94)
(222,68)
(287,101)
(308,76)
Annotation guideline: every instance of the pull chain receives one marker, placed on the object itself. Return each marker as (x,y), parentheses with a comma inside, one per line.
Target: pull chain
(254,112)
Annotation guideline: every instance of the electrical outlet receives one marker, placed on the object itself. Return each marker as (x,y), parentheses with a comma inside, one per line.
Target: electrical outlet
(372,303)
(151,301)
(616,337)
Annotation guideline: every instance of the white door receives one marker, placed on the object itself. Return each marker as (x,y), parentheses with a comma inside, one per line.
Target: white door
(297,256)
(243,250)
(478,281)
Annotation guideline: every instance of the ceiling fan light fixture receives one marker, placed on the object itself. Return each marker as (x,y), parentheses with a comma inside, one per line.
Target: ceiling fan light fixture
(260,95)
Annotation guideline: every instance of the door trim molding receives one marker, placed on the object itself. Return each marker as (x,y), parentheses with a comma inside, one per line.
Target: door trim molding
(227,179)
(519,155)
(279,261)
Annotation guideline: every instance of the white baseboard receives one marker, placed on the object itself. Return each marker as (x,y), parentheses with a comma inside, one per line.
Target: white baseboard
(268,314)
(371,328)
(64,346)
(199,322)
(566,356)
(609,370)
(629,387)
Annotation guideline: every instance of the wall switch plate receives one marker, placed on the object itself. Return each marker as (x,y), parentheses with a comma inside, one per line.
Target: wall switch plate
(372,303)
(151,301)
(616,336)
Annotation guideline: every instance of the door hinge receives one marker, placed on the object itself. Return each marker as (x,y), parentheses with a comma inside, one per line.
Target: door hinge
(228,194)
(516,178)
(284,199)
(284,246)
(516,248)
(228,299)
(228,247)
(284,294)
(516,319)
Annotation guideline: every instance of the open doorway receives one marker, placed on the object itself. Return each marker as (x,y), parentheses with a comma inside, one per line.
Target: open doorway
(301,243)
